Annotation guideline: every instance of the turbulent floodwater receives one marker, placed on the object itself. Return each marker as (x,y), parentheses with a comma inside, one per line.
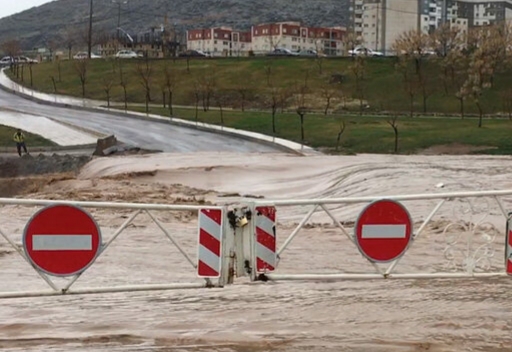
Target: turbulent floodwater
(376,315)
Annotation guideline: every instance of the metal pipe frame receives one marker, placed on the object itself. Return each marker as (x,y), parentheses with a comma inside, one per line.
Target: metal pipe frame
(99,290)
(103,205)
(352,200)
(353,276)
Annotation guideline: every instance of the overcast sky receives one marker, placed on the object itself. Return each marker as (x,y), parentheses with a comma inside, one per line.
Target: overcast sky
(9,7)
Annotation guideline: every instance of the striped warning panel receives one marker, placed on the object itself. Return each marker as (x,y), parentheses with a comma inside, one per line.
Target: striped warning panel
(508,247)
(265,239)
(210,243)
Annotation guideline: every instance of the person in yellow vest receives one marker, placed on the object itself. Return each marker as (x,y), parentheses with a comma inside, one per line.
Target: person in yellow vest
(19,138)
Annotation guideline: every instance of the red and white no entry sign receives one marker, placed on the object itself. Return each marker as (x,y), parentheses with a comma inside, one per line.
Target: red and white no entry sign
(62,240)
(383,231)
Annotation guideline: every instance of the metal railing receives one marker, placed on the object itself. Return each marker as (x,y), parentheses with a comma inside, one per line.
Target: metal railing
(469,248)
(137,209)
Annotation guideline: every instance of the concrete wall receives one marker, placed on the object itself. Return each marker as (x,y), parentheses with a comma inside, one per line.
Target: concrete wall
(400,16)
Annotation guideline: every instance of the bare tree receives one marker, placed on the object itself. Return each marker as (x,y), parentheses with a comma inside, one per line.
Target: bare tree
(70,39)
(506,97)
(350,41)
(414,46)
(328,94)
(274,100)
(108,82)
(394,125)
(301,103)
(242,90)
(207,83)
(358,69)
(170,83)
(144,70)
(11,47)
(54,84)
(340,133)
(197,92)
(81,69)
(268,71)
(220,99)
(409,81)
(123,82)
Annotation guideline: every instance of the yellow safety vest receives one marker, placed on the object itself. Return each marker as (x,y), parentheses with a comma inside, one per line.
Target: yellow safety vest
(19,137)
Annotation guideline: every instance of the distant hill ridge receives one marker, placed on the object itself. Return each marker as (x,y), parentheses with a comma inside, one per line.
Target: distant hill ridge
(52,24)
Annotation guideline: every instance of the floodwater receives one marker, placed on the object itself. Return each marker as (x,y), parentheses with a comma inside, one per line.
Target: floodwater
(365,315)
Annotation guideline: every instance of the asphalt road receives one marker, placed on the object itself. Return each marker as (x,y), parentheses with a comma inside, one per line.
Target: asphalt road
(137,132)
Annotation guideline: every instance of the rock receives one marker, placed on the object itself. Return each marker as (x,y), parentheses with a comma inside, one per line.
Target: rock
(104,145)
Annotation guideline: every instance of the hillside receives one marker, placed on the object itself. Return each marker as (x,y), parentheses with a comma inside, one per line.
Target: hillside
(53,23)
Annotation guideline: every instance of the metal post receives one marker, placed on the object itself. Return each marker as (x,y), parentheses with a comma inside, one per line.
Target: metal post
(89,41)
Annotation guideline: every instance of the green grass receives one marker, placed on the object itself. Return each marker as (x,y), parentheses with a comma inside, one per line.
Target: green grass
(32,140)
(363,134)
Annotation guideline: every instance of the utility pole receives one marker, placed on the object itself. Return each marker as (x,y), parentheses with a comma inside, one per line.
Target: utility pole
(89,42)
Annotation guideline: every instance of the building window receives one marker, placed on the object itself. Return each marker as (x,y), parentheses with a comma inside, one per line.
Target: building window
(284,30)
(225,43)
(214,42)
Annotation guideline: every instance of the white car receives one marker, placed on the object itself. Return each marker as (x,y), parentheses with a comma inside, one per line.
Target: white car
(6,60)
(127,54)
(360,50)
(82,55)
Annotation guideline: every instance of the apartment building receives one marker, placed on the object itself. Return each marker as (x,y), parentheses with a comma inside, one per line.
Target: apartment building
(263,38)
(378,23)
(295,37)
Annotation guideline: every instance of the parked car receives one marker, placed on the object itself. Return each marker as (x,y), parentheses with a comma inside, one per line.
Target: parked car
(127,54)
(194,53)
(281,52)
(25,60)
(6,61)
(309,53)
(361,50)
(82,55)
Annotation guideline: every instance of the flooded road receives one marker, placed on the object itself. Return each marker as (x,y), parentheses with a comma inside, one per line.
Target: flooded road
(370,315)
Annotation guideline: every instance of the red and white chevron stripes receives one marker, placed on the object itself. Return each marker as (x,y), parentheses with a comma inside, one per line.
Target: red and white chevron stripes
(265,238)
(508,248)
(210,243)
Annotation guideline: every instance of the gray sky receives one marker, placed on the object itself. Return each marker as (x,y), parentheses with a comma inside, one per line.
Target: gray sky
(9,7)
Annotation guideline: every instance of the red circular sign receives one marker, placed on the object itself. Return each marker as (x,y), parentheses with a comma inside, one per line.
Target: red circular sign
(62,240)
(383,230)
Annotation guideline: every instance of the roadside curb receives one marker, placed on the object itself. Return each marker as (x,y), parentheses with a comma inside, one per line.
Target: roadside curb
(94,106)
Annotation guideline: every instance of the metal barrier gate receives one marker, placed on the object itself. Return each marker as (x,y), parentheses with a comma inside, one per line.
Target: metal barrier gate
(63,241)
(64,244)
(382,236)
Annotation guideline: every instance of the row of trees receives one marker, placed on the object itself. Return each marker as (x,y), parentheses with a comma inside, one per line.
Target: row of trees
(469,62)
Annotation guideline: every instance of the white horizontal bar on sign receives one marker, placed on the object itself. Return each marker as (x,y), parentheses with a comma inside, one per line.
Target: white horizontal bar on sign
(62,242)
(349,200)
(110,205)
(383,231)
(94,290)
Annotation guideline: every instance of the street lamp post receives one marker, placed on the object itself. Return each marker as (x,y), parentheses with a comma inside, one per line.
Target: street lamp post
(89,41)
(119,3)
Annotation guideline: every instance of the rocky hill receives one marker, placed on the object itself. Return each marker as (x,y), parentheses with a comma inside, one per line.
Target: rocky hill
(56,22)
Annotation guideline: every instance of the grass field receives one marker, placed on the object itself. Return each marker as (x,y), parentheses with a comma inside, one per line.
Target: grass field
(32,140)
(382,87)
(368,133)
(365,134)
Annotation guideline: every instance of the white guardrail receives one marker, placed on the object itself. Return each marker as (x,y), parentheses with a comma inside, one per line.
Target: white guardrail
(458,238)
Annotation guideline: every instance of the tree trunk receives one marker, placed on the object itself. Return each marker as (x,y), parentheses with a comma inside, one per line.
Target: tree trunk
(274,110)
(22,73)
(170,103)
(480,114)
(302,127)
(125,99)
(327,106)
(163,99)
(461,102)
(396,138)
(31,78)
